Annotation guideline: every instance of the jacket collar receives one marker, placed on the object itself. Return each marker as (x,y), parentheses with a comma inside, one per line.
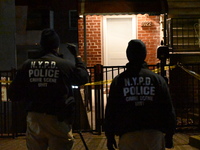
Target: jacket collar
(134,67)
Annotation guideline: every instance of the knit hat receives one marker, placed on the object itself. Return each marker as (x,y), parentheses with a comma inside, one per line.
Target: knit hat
(49,40)
(136,51)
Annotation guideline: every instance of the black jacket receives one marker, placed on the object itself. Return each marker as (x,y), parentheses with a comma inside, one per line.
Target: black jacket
(46,83)
(139,99)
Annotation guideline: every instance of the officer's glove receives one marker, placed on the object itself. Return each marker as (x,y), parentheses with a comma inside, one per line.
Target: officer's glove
(169,141)
(111,143)
(72,49)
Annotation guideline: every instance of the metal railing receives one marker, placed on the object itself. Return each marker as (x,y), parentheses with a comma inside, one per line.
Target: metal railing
(98,89)
(184,88)
(185,91)
(5,105)
(183,34)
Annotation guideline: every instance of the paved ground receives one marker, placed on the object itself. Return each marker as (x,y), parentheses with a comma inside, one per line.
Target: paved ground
(94,142)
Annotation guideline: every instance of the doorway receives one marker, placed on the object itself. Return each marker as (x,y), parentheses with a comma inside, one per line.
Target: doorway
(117,32)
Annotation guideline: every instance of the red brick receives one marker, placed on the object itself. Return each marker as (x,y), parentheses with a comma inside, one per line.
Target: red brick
(150,36)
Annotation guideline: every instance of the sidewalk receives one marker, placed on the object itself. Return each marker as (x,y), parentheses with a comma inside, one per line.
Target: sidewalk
(94,142)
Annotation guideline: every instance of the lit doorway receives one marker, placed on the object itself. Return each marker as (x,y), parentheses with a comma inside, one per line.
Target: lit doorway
(117,32)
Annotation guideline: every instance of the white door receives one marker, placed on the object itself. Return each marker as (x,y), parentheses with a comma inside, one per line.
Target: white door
(117,32)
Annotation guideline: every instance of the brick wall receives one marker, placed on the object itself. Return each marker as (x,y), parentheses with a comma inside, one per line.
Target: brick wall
(150,36)
(94,45)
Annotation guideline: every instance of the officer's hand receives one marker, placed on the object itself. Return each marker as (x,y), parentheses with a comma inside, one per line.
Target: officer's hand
(169,141)
(72,49)
(111,143)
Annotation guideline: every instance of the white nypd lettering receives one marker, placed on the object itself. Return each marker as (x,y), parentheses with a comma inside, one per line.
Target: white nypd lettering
(43,72)
(33,64)
(132,98)
(42,84)
(50,80)
(43,64)
(137,81)
(35,79)
(53,64)
(138,89)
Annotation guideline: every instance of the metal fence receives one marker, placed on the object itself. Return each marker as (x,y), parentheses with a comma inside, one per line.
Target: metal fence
(5,105)
(98,89)
(184,86)
(185,91)
(183,34)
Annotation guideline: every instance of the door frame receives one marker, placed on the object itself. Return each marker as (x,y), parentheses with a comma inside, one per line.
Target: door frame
(104,32)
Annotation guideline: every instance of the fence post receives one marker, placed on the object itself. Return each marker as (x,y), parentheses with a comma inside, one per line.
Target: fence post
(163,54)
(98,76)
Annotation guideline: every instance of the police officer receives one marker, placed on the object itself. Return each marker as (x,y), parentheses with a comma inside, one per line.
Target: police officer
(139,108)
(45,84)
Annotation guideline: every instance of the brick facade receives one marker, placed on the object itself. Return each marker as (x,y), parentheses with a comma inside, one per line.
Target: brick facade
(150,35)
(93,37)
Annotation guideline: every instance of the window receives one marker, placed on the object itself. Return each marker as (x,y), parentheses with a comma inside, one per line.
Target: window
(73,20)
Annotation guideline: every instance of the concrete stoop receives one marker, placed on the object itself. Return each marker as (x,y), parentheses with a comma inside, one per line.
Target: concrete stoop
(194,141)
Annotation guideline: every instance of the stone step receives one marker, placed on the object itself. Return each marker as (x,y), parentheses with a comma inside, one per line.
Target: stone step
(194,141)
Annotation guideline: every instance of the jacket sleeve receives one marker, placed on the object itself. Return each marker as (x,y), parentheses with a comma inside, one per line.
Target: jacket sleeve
(80,74)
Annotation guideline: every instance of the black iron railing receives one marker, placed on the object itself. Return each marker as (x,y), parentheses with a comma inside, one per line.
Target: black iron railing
(183,34)
(184,86)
